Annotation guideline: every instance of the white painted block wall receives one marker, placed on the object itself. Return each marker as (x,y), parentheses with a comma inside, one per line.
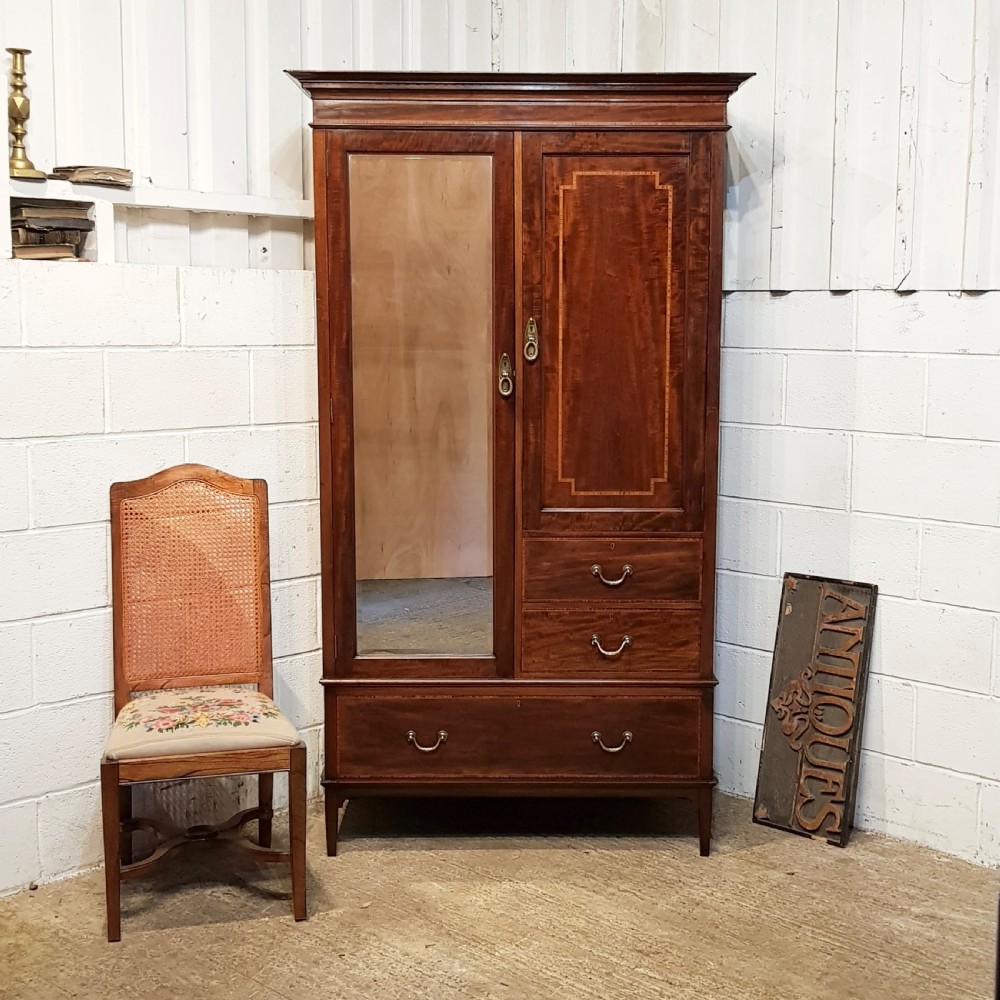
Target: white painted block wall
(853,446)
(860,440)
(111,372)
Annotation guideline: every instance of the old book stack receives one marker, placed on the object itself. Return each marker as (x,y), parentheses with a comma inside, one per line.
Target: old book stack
(49,230)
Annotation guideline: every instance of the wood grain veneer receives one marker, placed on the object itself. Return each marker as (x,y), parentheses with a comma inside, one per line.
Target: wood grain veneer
(559,642)
(518,738)
(560,569)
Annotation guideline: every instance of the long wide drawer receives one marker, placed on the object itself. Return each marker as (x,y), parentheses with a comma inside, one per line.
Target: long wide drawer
(454,737)
(612,569)
(620,642)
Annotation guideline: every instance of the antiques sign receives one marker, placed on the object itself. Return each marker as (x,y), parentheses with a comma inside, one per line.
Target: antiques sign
(812,733)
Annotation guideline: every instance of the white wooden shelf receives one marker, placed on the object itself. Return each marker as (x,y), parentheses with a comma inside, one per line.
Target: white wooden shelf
(105,200)
(150,197)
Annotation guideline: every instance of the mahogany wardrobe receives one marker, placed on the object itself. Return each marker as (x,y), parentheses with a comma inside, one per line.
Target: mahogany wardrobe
(519,297)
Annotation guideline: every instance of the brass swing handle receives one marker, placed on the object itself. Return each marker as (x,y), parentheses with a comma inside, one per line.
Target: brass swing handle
(411,737)
(626,573)
(505,383)
(626,739)
(531,340)
(595,641)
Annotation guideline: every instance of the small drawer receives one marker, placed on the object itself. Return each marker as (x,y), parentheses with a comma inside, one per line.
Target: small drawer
(612,569)
(518,738)
(609,643)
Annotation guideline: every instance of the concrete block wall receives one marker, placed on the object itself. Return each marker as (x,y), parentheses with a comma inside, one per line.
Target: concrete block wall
(111,372)
(861,440)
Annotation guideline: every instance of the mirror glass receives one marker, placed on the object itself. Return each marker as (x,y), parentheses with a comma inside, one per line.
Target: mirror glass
(422,309)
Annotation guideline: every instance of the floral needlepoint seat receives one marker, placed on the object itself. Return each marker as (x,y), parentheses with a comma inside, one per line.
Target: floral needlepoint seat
(198,720)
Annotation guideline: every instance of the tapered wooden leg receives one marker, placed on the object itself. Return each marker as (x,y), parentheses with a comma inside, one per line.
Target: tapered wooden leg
(297,829)
(705,821)
(110,806)
(332,808)
(265,800)
(125,814)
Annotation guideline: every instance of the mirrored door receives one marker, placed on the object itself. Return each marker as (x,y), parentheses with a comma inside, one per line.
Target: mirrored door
(432,435)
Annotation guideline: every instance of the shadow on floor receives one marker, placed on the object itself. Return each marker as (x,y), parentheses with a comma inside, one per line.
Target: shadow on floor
(207,884)
(407,823)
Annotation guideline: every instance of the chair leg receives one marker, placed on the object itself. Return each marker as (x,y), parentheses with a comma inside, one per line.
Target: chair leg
(297,829)
(110,806)
(265,800)
(331,802)
(125,814)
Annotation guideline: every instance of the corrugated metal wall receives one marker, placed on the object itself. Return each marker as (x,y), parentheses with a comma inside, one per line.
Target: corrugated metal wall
(865,153)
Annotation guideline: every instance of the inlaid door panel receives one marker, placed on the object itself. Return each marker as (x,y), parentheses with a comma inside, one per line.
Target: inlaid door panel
(614,401)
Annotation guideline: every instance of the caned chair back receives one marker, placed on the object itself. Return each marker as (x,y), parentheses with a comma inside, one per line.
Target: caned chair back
(190,581)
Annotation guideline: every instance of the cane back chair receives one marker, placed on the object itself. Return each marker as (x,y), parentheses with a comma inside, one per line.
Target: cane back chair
(192,633)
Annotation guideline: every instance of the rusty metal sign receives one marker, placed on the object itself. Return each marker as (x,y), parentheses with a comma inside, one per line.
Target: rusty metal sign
(812,733)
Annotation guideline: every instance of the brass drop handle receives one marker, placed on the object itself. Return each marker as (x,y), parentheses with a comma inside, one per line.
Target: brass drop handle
(531,340)
(626,573)
(411,737)
(505,384)
(595,641)
(626,739)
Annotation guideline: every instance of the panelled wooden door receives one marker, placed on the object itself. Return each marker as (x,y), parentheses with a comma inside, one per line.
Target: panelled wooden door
(422,442)
(615,276)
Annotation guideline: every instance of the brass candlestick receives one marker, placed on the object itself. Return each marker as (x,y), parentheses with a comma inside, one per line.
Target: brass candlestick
(18,111)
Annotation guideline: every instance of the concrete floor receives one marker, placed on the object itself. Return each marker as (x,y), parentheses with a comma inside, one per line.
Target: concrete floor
(522,900)
(421,617)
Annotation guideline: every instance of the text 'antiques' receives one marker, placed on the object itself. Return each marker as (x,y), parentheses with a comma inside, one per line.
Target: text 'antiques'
(812,733)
